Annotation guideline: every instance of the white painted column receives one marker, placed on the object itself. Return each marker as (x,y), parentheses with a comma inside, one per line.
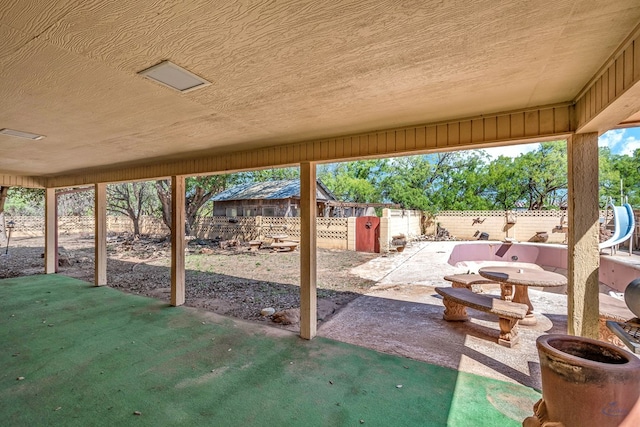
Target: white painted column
(50,232)
(100,239)
(582,236)
(308,293)
(177,240)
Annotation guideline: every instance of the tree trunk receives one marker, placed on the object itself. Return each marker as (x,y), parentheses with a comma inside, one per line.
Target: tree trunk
(136,226)
(3,197)
(164,194)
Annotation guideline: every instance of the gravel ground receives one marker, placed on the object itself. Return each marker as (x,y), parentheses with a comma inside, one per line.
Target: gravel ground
(233,281)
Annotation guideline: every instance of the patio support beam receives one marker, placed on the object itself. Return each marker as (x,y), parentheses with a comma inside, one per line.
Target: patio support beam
(100,240)
(543,123)
(50,231)
(177,240)
(308,294)
(613,94)
(582,249)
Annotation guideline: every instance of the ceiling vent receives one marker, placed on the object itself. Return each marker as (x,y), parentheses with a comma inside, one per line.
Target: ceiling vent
(169,74)
(21,134)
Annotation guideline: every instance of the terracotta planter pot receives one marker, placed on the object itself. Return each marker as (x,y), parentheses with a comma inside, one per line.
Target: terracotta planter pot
(585,382)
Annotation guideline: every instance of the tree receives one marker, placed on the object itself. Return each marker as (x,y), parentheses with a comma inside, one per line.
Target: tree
(608,176)
(452,180)
(506,183)
(629,169)
(407,181)
(199,191)
(267,175)
(24,201)
(545,170)
(75,201)
(358,181)
(132,199)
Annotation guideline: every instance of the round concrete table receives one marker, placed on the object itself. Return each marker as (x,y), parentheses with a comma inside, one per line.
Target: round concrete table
(521,279)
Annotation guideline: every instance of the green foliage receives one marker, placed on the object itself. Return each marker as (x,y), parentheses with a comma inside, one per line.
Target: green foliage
(267,175)
(545,173)
(24,201)
(464,180)
(355,181)
(628,168)
(609,176)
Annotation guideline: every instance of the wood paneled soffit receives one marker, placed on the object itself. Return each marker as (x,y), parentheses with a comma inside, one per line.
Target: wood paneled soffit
(543,123)
(613,95)
(22,181)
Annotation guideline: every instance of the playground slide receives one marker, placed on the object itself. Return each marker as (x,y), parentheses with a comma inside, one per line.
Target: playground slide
(624,224)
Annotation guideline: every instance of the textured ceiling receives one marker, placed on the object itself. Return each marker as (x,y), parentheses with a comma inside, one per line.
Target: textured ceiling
(282,71)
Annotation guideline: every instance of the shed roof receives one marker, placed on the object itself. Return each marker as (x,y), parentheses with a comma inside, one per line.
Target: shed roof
(270,190)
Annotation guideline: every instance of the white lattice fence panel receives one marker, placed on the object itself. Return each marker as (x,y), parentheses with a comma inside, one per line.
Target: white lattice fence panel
(119,224)
(152,225)
(27,225)
(241,228)
(477,213)
(76,224)
(332,228)
(280,225)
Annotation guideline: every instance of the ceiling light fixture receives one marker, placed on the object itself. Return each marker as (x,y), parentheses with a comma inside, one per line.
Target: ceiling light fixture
(169,74)
(21,134)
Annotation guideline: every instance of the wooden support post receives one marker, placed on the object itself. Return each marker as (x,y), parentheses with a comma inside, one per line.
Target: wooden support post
(177,240)
(308,294)
(100,240)
(50,232)
(583,252)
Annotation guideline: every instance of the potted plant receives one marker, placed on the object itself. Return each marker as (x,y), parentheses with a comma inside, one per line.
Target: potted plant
(399,242)
(585,382)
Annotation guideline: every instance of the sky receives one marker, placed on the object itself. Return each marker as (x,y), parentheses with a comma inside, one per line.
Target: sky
(620,141)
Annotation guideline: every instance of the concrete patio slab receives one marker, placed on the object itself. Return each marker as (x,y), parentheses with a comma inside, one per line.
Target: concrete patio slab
(403,316)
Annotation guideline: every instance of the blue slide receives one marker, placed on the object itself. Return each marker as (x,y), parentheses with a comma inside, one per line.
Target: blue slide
(623,222)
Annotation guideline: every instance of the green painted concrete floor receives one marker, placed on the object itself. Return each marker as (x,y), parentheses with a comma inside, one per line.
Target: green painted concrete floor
(76,355)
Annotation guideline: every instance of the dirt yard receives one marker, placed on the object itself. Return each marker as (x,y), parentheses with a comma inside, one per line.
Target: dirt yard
(232,281)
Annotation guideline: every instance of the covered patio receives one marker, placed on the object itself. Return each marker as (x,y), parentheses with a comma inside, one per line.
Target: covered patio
(74,354)
(128,91)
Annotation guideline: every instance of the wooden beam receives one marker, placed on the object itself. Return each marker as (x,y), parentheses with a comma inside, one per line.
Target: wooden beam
(530,125)
(21,181)
(50,232)
(100,240)
(613,95)
(308,293)
(584,255)
(177,240)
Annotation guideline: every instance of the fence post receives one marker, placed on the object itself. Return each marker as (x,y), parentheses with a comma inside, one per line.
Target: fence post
(258,228)
(351,233)
(385,230)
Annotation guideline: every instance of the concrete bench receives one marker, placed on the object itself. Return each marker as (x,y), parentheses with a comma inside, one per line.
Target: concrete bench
(284,246)
(473,282)
(457,299)
(255,245)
